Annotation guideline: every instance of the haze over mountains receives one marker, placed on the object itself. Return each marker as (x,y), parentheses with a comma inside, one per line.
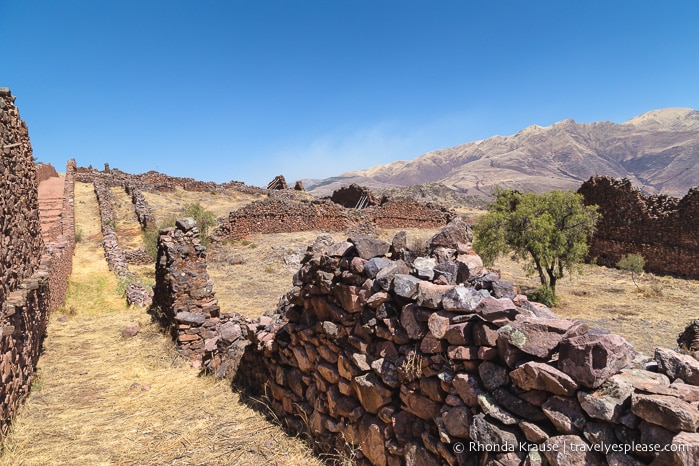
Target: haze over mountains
(658,151)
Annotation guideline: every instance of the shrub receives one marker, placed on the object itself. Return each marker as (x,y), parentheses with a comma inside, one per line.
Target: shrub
(633,263)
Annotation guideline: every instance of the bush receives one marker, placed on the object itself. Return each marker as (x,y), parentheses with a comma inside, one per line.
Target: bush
(633,263)
(546,296)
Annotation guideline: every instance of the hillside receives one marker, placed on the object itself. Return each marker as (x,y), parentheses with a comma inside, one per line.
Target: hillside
(658,151)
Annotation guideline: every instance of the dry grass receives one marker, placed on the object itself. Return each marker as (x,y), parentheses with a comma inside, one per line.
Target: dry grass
(250,276)
(221,204)
(607,298)
(101,399)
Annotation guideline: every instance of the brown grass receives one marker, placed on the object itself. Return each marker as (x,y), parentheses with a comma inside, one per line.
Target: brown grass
(165,204)
(607,298)
(100,398)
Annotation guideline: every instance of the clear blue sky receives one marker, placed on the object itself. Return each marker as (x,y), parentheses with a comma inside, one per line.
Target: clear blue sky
(246,90)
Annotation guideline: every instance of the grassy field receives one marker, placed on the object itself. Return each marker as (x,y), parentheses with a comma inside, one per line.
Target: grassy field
(101,399)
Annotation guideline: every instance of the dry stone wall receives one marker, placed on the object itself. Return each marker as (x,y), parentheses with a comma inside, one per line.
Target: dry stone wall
(154,181)
(116,258)
(434,360)
(33,276)
(660,228)
(284,212)
(44,171)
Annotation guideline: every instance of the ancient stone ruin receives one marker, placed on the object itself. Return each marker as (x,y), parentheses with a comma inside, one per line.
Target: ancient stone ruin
(660,228)
(353,197)
(33,273)
(395,359)
(281,213)
(279,182)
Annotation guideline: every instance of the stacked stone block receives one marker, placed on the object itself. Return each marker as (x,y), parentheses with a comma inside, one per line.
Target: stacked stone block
(33,276)
(397,359)
(116,258)
(144,213)
(660,228)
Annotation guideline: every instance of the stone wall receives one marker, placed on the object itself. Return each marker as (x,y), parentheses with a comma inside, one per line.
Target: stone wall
(374,357)
(154,181)
(44,171)
(144,213)
(401,212)
(33,276)
(660,228)
(284,212)
(116,258)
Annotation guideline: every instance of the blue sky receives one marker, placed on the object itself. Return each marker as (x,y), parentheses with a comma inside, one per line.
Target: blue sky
(246,90)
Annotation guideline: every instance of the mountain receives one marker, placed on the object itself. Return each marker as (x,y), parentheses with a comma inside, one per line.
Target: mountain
(658,151)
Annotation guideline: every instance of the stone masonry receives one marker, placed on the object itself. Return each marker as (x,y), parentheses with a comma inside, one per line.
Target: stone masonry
(435,360)
(660,228)
(33,275)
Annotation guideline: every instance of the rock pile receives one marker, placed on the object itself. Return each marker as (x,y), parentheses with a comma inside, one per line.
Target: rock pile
(660,228)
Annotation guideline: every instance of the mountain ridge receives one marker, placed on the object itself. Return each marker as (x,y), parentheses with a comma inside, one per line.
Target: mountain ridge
(658,151)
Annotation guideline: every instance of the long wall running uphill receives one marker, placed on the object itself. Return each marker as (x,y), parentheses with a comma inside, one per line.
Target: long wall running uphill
(390,359)
(33,275)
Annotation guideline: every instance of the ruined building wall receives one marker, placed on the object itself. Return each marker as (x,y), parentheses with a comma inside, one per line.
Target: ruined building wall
(370,360)
(662,229)
(281,214)
(44,171)
(115,255)
(33,276)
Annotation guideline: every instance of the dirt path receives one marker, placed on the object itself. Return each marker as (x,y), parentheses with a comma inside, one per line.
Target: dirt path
(50,206)
(101,398)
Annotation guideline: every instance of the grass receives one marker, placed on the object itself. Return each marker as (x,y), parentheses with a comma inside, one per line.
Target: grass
(604,297)
(102,399)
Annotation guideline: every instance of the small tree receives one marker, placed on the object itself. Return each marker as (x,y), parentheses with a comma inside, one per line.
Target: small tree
(632,263)
(547,231)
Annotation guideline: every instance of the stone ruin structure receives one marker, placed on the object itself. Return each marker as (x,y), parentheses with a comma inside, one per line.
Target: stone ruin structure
(154,181)
(660,228)
(398,360)
(33,273)
(44,171)
(353,197)
(116,257)
(279,182)
(284,212)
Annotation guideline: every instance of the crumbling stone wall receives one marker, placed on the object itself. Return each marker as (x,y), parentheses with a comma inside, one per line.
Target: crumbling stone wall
(33,276)
(144,213)
(44,171)
(372,355)
(116,258)
(353,196)
(281,214)
(401,212)
(154,181)
(660,228)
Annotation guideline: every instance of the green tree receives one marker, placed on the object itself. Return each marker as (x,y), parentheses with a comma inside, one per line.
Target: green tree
(633,263)
(548,232)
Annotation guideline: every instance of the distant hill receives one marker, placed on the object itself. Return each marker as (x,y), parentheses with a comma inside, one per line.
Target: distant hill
(658,151)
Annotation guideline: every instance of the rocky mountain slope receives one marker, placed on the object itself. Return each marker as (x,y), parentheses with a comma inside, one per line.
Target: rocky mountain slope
(658,151)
